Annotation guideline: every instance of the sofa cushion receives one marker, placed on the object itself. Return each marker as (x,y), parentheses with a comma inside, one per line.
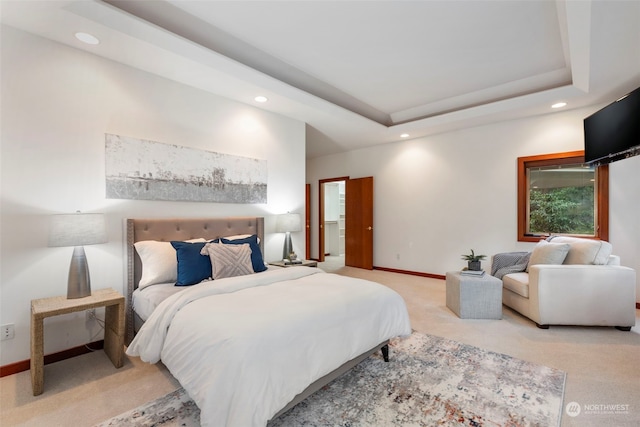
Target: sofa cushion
(518,283)
(613,260)
(584,251)
(548,253)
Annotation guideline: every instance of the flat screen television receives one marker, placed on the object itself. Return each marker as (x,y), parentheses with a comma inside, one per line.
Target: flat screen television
(613,133)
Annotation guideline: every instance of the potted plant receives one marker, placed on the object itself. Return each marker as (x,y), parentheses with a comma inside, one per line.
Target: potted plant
(474,261)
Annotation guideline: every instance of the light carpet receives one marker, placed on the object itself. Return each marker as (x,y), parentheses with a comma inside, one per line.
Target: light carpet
(429,381)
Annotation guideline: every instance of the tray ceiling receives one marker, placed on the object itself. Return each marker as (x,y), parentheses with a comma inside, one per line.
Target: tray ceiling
(363,72)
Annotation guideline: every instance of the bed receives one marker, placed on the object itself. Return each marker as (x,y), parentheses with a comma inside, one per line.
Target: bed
(250,347)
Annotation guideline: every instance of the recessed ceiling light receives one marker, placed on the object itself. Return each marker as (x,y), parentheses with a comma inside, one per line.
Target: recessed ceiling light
(87,38)
(559,105)
(404,135)
(261,98)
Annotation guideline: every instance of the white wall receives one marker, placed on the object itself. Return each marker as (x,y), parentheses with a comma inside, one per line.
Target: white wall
(439,196)
(624,213)
(57,104)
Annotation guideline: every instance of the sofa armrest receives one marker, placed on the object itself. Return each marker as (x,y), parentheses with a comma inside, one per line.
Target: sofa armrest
(583,294)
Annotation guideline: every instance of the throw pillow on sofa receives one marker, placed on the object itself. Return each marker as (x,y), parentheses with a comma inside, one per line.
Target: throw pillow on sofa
(584,251)
(548,253)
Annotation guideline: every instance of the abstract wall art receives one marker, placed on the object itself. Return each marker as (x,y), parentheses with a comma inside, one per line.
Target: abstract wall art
(148,170)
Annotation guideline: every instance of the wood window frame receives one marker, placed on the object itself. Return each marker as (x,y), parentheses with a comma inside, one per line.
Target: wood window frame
(602,191)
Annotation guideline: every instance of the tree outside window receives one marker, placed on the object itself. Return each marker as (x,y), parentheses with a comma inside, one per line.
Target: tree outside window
(560,194)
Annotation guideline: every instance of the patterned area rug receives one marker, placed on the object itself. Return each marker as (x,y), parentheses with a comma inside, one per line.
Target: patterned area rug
(429,381)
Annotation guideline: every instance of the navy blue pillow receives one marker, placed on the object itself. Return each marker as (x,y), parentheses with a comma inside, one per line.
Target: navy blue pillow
(192,267)
(256,255)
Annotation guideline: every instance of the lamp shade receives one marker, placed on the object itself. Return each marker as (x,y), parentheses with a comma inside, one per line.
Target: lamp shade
(288,222)
(77,229)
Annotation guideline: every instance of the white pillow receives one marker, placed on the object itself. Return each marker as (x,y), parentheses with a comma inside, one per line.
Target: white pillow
(585,251)
(229,260)
(239,236)
(159,262)
(548,253)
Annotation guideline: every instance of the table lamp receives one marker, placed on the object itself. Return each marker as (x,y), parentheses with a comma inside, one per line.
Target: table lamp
(287,223)
(77,230)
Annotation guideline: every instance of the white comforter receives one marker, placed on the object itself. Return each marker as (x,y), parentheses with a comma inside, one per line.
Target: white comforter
(244,347)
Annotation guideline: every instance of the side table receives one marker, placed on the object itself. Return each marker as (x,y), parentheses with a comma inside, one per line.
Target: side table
(48,307)
(473,297)
(305,263)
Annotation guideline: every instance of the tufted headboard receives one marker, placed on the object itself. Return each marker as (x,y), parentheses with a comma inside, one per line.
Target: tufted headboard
(167,229)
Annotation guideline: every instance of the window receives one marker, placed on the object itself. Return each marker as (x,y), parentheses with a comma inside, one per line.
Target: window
(560,194)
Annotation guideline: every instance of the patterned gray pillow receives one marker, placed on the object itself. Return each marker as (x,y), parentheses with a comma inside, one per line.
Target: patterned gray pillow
(229,260)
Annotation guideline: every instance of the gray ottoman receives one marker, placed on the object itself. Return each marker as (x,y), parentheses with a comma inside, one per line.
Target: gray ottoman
(474,297)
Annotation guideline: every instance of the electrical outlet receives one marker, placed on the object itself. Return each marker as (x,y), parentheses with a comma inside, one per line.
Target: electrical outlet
(8,331)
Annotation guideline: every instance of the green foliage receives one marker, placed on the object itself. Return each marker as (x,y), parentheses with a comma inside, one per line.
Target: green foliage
(566,210)
(473,257)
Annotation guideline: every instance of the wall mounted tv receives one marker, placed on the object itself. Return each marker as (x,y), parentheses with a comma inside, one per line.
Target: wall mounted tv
(613,133)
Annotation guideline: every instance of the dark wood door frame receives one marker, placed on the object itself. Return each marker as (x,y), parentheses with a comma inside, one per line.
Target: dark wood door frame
(321,183)
(307,221)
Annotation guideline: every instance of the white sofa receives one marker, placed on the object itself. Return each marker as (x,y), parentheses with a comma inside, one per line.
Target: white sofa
(572,281)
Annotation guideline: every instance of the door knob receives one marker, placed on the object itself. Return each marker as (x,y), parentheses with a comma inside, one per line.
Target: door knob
(370,228)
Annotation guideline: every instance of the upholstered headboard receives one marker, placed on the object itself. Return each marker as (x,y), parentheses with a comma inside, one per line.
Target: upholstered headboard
(167,229)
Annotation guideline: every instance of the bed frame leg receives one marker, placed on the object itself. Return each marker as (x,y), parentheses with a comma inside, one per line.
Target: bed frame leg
(385,352)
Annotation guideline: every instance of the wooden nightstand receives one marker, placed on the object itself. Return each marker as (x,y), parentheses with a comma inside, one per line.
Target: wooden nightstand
(305,263)
(48,307)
